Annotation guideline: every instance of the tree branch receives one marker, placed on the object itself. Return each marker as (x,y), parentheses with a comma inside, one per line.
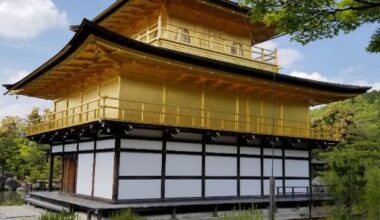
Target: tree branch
(368,3)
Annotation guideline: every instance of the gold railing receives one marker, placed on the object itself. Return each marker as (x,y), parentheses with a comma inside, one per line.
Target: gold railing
(196,39)
(107,108)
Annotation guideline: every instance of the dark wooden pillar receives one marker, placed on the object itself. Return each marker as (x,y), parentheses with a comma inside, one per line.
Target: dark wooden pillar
(51,169)
(262,169)
(283,171)
(63,166)
(116,167)
(95,139)
(310,183)
(238,167)
(163,164)
(203,166)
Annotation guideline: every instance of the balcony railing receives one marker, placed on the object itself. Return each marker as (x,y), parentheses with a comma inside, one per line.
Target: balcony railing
(316,191)
(191,39)
(107,108)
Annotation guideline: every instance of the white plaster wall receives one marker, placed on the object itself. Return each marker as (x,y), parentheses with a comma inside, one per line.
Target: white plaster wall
(276,152)
(297,168)
(296,153)
(84,174)
(277,171)
(57,149)
(278,183)
(140,164)
(250,187)
(221,188)
(140,144)
(220,166)
(183,165)
(183,188)
(188,136)
(105,144)
(189,147)
(139,189)
(250,150)
(70,147)
(297,183)
(86,145)
(226,149)
(250,166)
(104,175)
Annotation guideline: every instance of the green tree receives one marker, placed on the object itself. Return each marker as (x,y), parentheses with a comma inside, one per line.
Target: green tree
(12,127)
(372,193)
(8,151)
(307,21)
(354,164)
(20,156)
(34,117)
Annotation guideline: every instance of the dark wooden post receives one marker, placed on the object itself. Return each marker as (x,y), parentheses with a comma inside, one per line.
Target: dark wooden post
(203,166)
(63,166)
(51,169)
(95,140)
(116,167)
(163,163)
(310,184)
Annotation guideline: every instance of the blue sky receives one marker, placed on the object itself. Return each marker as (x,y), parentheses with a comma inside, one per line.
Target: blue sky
(33,31)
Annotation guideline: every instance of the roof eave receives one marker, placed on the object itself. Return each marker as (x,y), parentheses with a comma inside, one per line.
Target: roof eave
(88,28)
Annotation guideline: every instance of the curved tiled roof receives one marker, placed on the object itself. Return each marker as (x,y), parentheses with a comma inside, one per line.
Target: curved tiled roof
(89,28)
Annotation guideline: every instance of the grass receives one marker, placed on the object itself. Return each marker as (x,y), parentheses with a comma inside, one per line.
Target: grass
(249,214)
(125,214)
(58,216)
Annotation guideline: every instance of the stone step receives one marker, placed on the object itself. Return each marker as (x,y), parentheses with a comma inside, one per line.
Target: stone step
(46,205)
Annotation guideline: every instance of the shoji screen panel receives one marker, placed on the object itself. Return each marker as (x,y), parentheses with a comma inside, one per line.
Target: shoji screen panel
(183,170)
(140,169)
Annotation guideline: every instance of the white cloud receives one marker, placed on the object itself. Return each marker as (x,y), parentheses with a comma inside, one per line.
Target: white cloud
(286,56)
(320,77)
(17,76)
(374,85)
(21,106)
(269,45)
(25,19)
(313,76)
(317,106)
(18,105)
(354,69)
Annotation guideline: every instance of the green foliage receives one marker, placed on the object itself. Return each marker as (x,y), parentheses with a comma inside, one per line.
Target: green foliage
(372,193)
(250,214)
(11,127)
(58,216)
(125,214)
(18,155)
(8,152)
(307,21)
(354,164)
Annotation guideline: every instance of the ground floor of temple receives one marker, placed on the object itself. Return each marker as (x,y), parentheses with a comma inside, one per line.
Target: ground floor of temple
(108,166)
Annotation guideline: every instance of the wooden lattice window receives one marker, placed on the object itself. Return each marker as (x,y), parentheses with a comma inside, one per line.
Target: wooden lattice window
(183,35)
(237,49)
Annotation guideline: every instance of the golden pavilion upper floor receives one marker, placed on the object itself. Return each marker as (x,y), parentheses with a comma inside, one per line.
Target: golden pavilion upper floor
(214,29)
(103,76)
